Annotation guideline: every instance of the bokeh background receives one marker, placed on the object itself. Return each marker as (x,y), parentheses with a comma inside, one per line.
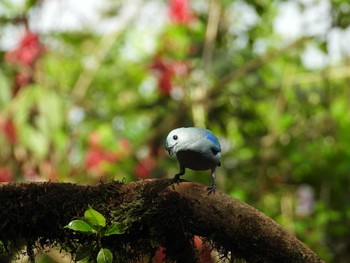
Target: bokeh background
(90,89)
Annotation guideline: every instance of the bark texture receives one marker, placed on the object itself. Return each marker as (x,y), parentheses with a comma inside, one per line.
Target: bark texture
(155,214)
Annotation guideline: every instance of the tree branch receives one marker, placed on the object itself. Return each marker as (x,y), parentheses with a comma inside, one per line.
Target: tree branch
(254,64)
(155,214)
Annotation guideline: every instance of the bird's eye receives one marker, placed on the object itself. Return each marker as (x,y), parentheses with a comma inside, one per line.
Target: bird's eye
(175,137)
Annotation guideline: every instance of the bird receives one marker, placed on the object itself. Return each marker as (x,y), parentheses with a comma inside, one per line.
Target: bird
(195,148)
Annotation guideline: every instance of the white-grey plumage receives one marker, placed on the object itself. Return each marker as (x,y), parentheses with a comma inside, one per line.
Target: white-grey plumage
(196,149)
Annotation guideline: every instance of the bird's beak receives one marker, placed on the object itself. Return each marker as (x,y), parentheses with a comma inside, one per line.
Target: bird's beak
(170,149)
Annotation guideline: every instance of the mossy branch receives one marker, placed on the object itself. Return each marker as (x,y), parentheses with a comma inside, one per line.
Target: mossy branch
(155,214)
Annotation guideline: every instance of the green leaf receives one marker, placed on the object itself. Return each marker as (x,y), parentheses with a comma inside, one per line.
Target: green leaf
(83,253)
(80,226)
(115,229)
(104,256)
(5,91)
(94,218)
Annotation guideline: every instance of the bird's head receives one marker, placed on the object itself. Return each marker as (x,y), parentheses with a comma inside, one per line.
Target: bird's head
(173,140)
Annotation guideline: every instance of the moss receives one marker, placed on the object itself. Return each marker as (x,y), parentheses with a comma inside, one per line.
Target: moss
(144,237)
(58,204)
(153,215)
(137,211)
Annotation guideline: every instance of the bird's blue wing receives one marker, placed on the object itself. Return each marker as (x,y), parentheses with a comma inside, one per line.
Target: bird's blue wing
(213,138)
(215,145)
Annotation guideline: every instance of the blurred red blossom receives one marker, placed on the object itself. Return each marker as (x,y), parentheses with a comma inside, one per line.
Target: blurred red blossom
(25,56)
(159,256)
(8,127)
(203,252)
(5,174)
(96,156)
(166,71)
(180,11)
(28,50)
(22,79)
(145,167)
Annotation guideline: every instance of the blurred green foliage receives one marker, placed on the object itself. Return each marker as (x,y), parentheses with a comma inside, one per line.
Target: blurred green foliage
(86,106)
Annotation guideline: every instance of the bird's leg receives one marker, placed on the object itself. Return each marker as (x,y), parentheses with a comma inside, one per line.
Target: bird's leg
(212,188)
(176,178)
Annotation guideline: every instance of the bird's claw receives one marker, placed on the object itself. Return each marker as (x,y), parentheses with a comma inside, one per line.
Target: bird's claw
(211,189)
(176,179)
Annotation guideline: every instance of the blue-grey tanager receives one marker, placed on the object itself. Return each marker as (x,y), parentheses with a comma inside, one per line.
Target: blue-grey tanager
(196,149)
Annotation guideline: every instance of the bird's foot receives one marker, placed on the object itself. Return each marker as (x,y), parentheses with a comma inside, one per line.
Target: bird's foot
(176,179)
(211,189)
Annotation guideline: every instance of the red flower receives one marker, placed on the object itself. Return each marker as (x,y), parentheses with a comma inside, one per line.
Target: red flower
(25,55)
(164,82)
(9,129)
(203,252)
(145,166)
(97,157)
(165,74)
(159,256)
(22,79)
(5,174)
(28,50)
(180,11)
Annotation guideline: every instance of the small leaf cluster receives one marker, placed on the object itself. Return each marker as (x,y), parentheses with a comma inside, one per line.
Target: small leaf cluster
(94,223)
